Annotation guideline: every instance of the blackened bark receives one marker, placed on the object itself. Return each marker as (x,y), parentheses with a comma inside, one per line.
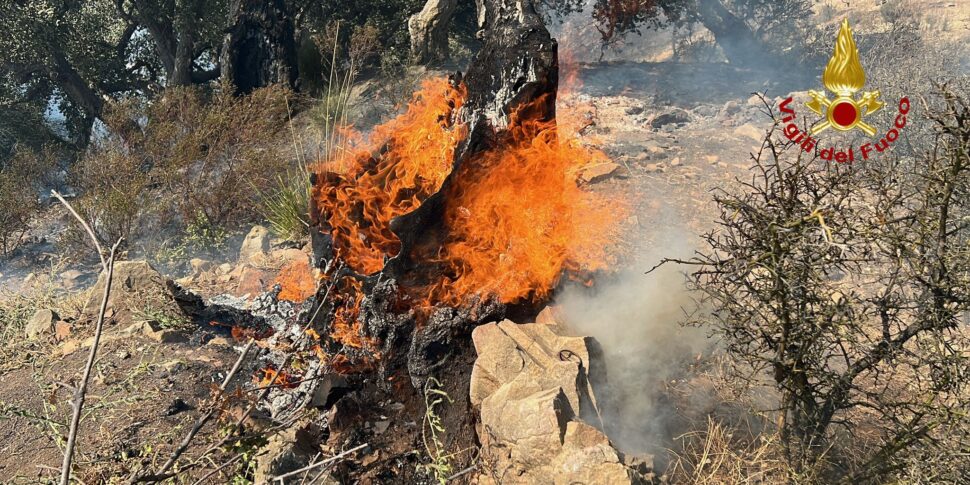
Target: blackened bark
(259,48)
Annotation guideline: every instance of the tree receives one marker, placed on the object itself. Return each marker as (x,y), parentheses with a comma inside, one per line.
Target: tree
(847,285)
(63,52)
(186,35)
(260,45)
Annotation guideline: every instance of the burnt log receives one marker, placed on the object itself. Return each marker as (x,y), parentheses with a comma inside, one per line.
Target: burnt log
(259,47)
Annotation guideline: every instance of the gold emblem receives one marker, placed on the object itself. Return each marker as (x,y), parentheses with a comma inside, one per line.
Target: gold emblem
(844,76)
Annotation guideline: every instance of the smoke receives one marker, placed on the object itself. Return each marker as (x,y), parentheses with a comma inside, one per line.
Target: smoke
(637,318)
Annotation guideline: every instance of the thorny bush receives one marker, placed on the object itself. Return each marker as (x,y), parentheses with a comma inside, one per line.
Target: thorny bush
(846,286)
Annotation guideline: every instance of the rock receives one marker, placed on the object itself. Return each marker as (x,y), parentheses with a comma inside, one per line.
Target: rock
(673,116)
(596,172)
(654,167)
(429,31)
(225,268)
(754,100)
(41,324)
(531,384)
(135,286)
(71,278)
(711,159)
(286,451)
(255,246)
(705,110)
(634,110)
(251,281)
(675,162)
(731,107)
(199,266)
(219,342)
(750,131)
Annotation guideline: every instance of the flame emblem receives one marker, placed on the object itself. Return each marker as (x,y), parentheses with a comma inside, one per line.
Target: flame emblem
(844,76)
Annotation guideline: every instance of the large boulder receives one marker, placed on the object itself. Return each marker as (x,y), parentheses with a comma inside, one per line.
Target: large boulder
(532,386)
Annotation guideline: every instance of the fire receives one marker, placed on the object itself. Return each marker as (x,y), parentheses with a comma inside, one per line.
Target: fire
(272,377)
(419,147)
(519,219)
(346,327)
(296,281)
(515,218)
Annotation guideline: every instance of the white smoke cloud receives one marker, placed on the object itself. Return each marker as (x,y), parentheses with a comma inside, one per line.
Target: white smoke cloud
(636,318)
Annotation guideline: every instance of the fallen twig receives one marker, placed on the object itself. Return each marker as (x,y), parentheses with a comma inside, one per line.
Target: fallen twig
(328,461)
(77,402)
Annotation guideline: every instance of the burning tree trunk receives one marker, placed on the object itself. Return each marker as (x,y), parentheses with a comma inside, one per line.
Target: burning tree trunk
(516,71)
(463,210)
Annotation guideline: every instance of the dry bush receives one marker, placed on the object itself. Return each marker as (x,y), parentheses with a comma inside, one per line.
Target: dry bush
(846,286)
(191,160)
(721,455)
(20,179)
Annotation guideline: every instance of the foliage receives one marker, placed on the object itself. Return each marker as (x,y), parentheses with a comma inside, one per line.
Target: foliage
(846,285)
(20,179)
(440,465)
(193,161)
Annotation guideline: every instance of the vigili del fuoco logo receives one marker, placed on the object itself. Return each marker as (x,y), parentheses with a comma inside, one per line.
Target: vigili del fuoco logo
(847,110)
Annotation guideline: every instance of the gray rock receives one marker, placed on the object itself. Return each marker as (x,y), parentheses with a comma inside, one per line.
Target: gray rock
(673,116)
(42,323)
(531,384)
(256,244)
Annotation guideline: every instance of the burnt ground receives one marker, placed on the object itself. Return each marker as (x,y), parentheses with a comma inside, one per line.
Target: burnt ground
(145,394)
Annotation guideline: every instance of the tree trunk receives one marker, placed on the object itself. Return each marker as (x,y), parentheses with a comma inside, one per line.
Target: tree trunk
(739,43)
(429,31)
(260,47)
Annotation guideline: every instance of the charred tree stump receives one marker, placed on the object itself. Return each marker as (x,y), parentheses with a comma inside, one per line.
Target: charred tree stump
(259,48)
(515,75)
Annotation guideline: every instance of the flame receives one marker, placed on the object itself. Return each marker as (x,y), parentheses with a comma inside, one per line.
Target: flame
(273,377)
(844,74)
(419,146)
(346,327)
(515,217)
(520,219)
(296,281)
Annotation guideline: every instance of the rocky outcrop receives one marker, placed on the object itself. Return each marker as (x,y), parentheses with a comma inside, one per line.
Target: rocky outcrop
(539,415)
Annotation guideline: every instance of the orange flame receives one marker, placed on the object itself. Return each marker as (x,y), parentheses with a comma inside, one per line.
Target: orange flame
(515,217)
(272,377)
(419,147)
